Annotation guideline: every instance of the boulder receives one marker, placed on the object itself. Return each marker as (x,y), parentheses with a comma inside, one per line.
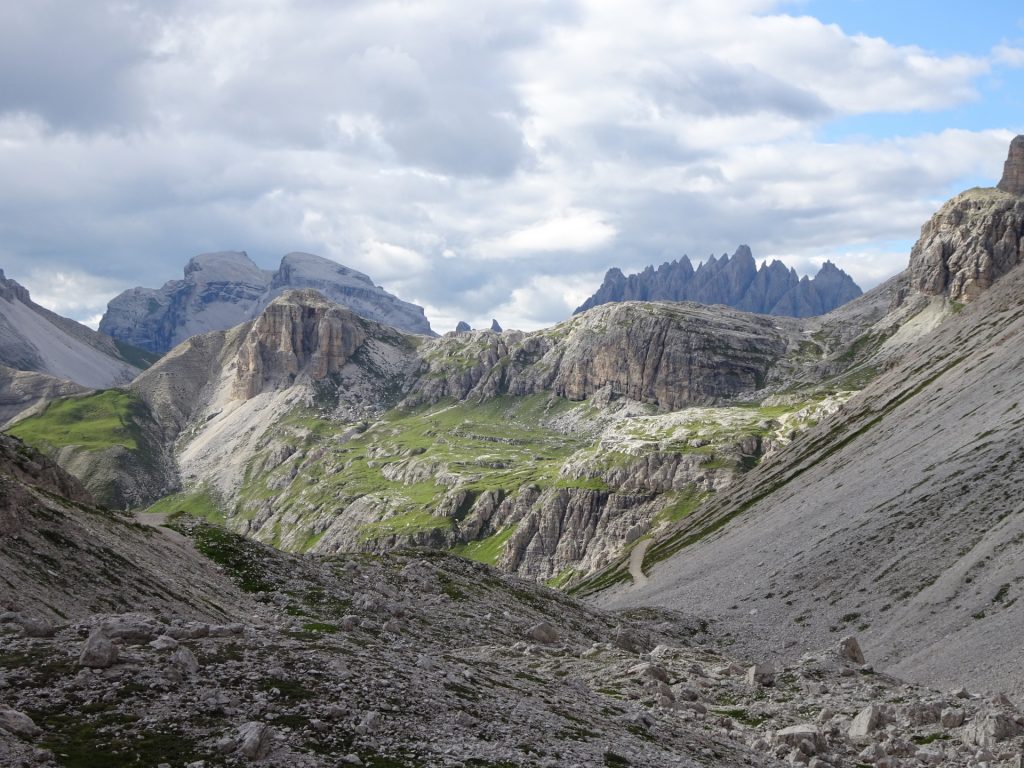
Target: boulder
(989,728)
(185,661)
(543,633)
(254,740)
(761,674)
(866,721)
(18,723)
(951,717)
(849,649)
(795,735)
(98,652)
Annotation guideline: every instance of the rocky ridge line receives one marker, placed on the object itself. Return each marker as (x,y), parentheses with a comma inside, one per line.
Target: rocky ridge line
(735,282)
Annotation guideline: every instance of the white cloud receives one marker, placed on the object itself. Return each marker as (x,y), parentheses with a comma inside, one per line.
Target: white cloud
(1009,55)
(571,231)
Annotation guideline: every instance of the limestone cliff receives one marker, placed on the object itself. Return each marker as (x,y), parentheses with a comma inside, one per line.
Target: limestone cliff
(667,355)
(299,333)
(221,290)
(974,239)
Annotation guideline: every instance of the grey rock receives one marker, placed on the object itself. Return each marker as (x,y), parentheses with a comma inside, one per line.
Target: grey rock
(254,740)
(463,327)
(761,675)
(1013,171)
(131,628)
(988,729)
(98,652)
(543,632)
(951,717)
(866,722)
(797,735)
(849,649)
(495,327)
(164,643)
(18,723)
(185,661)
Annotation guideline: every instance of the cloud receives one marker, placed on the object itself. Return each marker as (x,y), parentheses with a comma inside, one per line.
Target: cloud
(572,231)
(1009,55)
(479,158)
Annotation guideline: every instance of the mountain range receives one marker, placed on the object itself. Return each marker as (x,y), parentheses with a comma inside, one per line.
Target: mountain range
(754,526)
(772,289)
(221,290)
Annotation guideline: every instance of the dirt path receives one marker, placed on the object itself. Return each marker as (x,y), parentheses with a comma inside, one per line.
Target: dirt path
(636,562)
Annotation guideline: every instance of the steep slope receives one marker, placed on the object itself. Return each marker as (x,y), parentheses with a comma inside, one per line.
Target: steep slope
(221,290)
(899,516)
(34,339)
(735,282)
(108,439)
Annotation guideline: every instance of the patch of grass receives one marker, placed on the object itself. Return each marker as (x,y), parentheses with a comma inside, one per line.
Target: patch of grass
(931,738)
(95,422)
(241,558)
(486,550)
(201,504)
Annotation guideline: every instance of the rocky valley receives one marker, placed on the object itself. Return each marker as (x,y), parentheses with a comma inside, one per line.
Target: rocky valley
(331,538)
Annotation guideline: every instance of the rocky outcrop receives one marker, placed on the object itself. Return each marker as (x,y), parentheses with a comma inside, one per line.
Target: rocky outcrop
(463,327)
(735,282)
(299,333)
(972,241)
(1012,181)
(222,290)
(494,326)
(37,340)
(670,356)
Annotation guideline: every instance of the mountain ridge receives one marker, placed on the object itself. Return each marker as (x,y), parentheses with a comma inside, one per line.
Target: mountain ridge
(772,289)
(222,289)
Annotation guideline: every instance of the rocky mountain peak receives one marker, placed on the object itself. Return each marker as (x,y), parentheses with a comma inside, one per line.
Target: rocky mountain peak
(13,290)
(299,333)
(222,290)
(972,241)
(1013,170)
(734,281)
(223,267)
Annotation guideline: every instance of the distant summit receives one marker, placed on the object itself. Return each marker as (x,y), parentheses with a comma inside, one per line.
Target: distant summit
(774,289)
(221,290)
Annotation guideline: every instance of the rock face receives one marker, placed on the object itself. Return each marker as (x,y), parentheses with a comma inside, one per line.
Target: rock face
(735,282)
(34,339)
(221,290)
(463,327)
(1013,171)
(662,354)
(300,332)
(973,240)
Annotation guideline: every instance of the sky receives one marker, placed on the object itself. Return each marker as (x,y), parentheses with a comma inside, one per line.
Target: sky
(489,159)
